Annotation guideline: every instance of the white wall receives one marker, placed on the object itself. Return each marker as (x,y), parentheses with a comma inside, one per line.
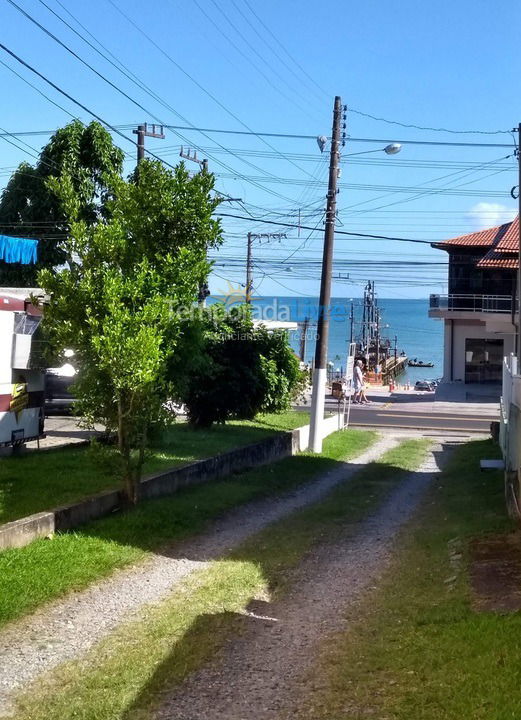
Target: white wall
(462,331)
(6,345)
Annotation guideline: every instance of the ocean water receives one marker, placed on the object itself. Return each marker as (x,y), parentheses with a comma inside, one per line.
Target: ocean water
(418,335)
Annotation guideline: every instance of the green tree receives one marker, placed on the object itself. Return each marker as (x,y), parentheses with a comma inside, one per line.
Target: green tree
(30,206)
(235,370)
(120,305)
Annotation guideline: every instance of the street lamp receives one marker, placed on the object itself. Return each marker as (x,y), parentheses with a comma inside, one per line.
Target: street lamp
(392,149)
(316,430)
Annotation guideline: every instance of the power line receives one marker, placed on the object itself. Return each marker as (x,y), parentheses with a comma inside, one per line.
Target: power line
(337,232)
(247,57)
(198,84)
(297,64)
(270,46)
(126,72)
(423,127)
(123,93)
(383,141)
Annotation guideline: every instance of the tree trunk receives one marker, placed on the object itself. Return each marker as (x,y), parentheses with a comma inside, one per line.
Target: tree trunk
(129,478)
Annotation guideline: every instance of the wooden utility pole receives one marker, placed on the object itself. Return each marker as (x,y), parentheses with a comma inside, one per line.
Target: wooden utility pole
(319,373)
(142,131)
(518,153)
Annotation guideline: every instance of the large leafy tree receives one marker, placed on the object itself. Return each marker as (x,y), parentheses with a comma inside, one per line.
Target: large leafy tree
(121,303)
(30,206)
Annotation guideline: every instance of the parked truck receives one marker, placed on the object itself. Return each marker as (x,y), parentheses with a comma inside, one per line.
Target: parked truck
(21,385)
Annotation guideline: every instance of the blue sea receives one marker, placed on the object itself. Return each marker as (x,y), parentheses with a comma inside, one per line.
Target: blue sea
(418,335)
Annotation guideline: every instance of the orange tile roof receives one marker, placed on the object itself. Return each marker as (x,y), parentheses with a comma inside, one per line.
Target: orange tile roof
(504,236)
(510,239)
(494,259)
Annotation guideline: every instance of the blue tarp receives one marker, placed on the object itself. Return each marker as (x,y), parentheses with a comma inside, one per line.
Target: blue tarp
(18,250)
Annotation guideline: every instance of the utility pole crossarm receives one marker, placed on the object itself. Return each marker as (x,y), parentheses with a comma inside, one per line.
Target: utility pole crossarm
(144,130)
(203,164)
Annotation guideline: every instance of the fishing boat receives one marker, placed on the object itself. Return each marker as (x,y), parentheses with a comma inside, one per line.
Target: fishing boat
(419,363)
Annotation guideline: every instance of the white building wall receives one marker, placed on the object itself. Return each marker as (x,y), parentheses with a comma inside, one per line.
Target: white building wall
(6,345)
(471,329)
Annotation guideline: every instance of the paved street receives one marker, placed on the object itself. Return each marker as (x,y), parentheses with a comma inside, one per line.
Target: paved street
(422,411)
(389,416)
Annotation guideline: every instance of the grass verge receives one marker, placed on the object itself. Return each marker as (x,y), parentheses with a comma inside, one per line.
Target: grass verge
(46,569)
(123,677)
(420,650)
(37,481)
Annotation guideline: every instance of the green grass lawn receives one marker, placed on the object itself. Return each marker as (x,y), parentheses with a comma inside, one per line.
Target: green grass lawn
(46,569)
(124,676)
(39,481)
(420,650)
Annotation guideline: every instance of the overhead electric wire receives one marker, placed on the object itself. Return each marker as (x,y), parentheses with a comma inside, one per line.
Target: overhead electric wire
(122,68)
(297,64)
(427,191)
(122,92)
(198,84)
(423,127)
(337,232)
(104,122)
(265,44)
(449,191)
(247,57)
(383,141)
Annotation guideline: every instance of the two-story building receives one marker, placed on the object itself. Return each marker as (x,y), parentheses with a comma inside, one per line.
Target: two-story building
(479,311)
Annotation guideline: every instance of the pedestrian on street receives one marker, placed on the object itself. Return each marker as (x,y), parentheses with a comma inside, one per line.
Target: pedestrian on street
(359,397)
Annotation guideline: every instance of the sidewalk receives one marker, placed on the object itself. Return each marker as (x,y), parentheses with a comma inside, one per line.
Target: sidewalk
(62,430)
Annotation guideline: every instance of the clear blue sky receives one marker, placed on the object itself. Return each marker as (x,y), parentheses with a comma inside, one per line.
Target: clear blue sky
(446,64)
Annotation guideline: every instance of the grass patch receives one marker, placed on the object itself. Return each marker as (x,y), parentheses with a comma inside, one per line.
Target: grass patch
(39,481)
(46,569)
(420,650)
(122,678)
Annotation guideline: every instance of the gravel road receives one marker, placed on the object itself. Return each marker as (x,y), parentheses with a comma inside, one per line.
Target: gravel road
(265,670)
(69,627)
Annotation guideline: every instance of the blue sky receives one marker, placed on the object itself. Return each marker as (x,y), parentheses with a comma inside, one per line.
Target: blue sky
(439,65)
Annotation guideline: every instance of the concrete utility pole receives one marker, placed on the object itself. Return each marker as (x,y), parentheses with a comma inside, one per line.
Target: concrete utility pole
(249,257)
(204,290)
(142,132)
(319,373)
(303,339)
(377,360)
(249,268)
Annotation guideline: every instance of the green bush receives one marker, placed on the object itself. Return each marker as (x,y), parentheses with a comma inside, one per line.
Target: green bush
(236,370)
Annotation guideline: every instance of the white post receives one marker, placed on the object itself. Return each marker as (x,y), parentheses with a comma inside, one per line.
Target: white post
(316,429)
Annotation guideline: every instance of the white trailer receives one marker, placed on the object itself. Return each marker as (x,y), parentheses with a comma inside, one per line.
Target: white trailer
(21,387)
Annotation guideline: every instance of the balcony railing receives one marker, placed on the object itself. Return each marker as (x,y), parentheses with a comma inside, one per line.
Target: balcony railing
(472,303)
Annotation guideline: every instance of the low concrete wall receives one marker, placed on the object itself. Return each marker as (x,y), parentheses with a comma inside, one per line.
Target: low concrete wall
(167,482)
(21,532)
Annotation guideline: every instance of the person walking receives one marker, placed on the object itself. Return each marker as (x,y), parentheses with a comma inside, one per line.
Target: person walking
(359,396)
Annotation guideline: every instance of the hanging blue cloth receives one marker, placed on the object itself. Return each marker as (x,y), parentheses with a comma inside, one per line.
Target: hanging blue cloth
(18,250)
